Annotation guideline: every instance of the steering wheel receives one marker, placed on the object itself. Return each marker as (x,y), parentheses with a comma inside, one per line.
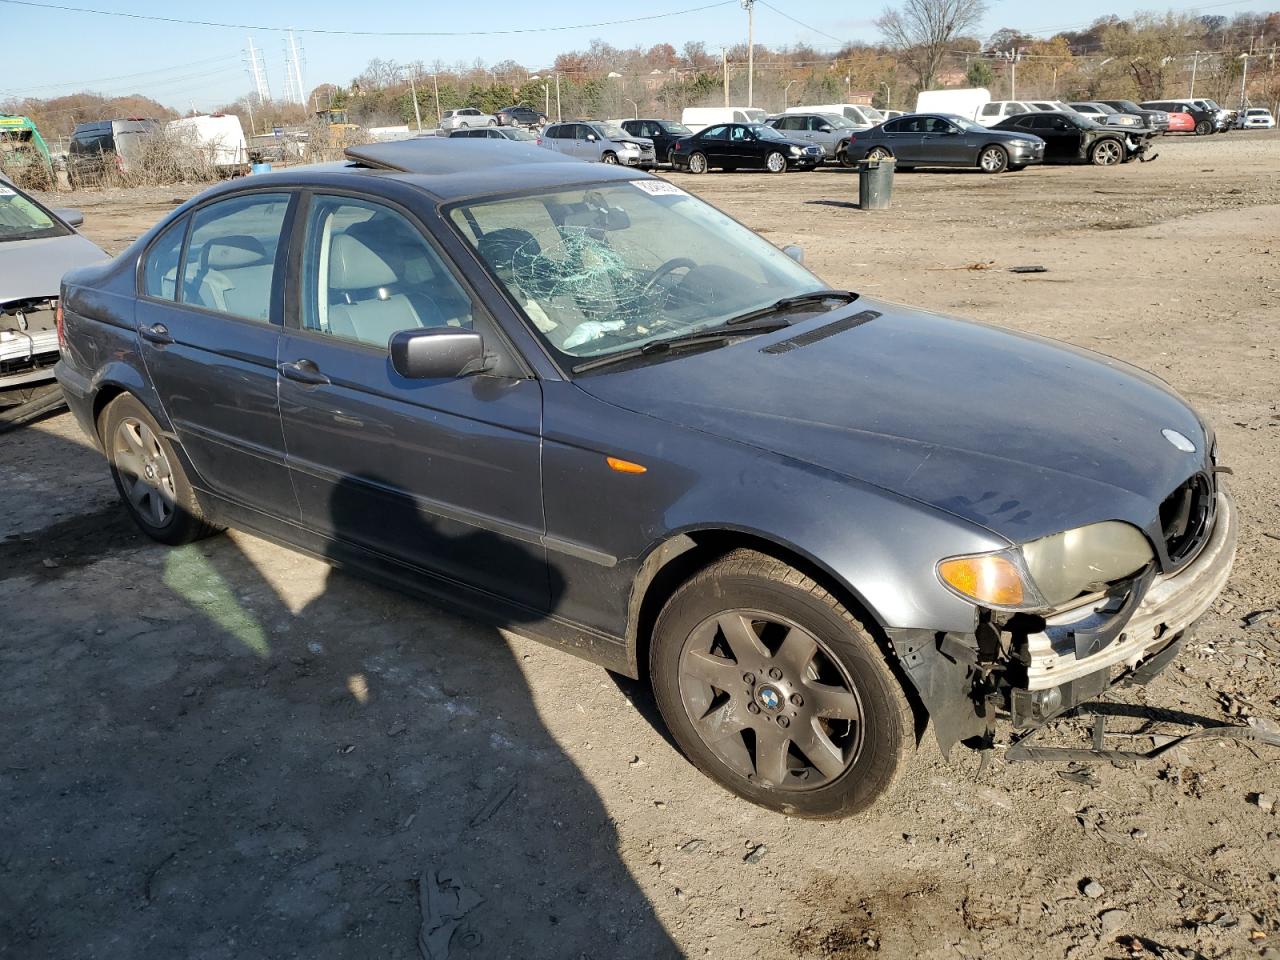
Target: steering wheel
(675,263)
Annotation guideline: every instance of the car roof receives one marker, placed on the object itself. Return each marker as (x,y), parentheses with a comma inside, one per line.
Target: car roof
(451,169)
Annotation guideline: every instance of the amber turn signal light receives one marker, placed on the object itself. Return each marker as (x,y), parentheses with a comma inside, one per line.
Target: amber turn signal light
(991,579)
(624,466)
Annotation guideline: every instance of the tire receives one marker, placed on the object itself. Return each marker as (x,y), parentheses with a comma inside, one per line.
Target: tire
(463,125)
(167,509)
(493,123)
(697,163)
(775,162)
(609,157)
(810,720)
(843,158)
(993,159)
(1203,128)
(878,153)
(1106,153)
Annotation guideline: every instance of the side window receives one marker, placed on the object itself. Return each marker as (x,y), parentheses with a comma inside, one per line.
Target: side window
(991,109)
(368,273)
(160,269)
(230,262)
(716,133)
(894,126)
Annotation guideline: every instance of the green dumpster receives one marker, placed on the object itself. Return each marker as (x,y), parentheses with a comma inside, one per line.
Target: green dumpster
(875,184)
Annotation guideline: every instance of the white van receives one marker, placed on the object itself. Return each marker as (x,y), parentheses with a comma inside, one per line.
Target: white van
(862,116)
(697,118)
(220,135)
(964,102)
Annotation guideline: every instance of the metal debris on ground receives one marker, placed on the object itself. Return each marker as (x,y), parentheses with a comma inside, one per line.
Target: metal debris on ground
(1258,617)
(500,797)
(1034,268)
(1081,775)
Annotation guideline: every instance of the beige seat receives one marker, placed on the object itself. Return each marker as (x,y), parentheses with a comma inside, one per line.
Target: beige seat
(361,307)
(234,277)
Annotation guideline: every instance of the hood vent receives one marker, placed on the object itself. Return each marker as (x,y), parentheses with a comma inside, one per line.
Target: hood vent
(821,333)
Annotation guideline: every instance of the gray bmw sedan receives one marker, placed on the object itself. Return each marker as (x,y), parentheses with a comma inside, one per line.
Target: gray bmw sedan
(944,140)
(581,403)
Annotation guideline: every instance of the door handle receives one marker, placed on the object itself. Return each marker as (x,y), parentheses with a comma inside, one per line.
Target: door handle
(157,333)
(303,371)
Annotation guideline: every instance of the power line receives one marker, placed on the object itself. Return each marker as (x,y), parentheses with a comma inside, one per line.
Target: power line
(801,22)
(125,76)
(363,33)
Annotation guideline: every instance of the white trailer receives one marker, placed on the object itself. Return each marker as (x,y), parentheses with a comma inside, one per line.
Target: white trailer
(220,135)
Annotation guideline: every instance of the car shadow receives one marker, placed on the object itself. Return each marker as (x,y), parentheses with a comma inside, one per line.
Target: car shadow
(281,760)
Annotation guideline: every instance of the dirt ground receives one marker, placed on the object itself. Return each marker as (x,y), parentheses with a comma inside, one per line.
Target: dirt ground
(230,750)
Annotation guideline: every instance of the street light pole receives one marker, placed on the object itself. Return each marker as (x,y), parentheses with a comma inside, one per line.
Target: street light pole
(888,94)
(785,91)
(435,87)
(1244,78)
(635,107)
(558,116)
(750,7)
(1195,62)
(413,92)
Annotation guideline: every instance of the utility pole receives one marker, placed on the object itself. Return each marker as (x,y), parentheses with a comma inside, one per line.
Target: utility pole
(558,116)
(750,7)
(724,71)
(1244,79)
(249,104)
(1013,73)
(413,92)
(1195,62)
(435,88)
(258,73)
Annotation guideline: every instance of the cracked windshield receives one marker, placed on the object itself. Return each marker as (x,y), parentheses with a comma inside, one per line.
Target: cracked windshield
(609,268)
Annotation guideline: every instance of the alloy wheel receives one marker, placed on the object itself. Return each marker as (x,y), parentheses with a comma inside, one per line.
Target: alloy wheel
(1107,153)
(770,701)
(145,473)
(879,153)
(609,158)
(992,160)
(776,162)
(697,163)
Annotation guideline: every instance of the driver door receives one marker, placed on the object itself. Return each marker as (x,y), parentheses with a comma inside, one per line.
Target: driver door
(441,474)
(944,142)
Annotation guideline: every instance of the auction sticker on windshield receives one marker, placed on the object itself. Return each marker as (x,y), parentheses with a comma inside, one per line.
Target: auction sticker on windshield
(658,188)
(6,192)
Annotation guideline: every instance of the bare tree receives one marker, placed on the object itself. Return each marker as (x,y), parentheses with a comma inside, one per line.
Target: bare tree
(923,29)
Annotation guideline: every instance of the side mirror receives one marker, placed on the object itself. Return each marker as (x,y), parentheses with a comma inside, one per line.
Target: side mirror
(72,218)
(794,251)
(825,128)
(591,137)
(438,353)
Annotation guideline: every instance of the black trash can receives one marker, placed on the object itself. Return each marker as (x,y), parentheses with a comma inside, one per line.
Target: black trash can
(875,184)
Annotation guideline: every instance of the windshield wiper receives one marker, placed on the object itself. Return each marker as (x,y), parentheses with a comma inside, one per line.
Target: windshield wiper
(786,303)
(684,341)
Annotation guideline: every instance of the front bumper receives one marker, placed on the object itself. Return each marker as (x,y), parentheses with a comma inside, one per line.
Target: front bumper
(1171,604)
(1023,155)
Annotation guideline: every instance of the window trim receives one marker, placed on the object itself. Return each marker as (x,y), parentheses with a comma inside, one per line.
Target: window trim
(279,302)
(294,277)
(185,218)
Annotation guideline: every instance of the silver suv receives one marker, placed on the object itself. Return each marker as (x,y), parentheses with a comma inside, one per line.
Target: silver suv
(827,130)
(466,117)
(601,142)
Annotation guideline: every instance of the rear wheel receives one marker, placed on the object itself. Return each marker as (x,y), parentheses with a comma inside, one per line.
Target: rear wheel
(149,475)
(1203,128)
(878,153)
(698,163)
(843,158)
(493,123)
(993,159)
(776,691)
(1106,153)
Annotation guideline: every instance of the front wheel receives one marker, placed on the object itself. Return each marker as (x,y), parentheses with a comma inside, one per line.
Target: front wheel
(776,691)
(1204,128)
(609,157)
(1106,153)
(149,474)
(698,163)
(775,162)
(493,123)
(843,158)
(993,159)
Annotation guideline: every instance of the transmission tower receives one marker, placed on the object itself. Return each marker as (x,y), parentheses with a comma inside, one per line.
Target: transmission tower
(258,73)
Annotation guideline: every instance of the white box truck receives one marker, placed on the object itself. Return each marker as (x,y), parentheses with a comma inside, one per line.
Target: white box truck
(219,136)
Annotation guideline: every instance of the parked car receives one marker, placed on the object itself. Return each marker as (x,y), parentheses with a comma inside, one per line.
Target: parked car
(598,141)
(696,118)
(892,114)
(1206,120)
(518,134)
(1072,138)
(1049,105)
(939,140)
(1181,123)
(641,462)
(466,117)
(828,130)
(663,133)
(1223,119)
(1153,119)
(1256,118)
(1105,115)
(520,115)
(862,116)
(993,112)
(734,146)
(101,145)
(37,245)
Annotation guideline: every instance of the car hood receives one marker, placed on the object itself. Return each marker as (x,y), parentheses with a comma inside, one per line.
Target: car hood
(1022,435)
(34,268)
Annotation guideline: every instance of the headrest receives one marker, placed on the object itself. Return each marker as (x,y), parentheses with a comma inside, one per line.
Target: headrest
(509,247)
(353,266)
(228,253)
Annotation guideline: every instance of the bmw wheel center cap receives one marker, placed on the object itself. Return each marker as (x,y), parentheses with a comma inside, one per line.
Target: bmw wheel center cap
(769,698)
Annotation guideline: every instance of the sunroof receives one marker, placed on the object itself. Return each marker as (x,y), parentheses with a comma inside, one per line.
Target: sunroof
(448,154)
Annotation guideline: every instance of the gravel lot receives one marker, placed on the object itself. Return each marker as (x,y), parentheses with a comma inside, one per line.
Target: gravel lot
(230,750)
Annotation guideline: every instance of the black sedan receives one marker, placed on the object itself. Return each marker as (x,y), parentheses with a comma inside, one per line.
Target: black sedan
(945,140)
(520,116)
(663,133)
(582,403)
(1071,138)
(733,146)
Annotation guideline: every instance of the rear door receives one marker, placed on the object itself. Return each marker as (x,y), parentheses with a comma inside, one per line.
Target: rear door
(210,315)
(441,474)
(903,137)
(714,142)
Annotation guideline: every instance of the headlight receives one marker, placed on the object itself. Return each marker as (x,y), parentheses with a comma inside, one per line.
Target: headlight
(1021,143)
(1048,572)
(630,148)
(796,151)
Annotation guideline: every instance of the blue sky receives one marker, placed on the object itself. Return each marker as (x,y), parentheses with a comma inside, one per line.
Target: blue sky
(183,65)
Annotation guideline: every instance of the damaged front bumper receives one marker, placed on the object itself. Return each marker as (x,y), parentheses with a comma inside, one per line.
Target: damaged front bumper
(1031,669)
(28,342)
